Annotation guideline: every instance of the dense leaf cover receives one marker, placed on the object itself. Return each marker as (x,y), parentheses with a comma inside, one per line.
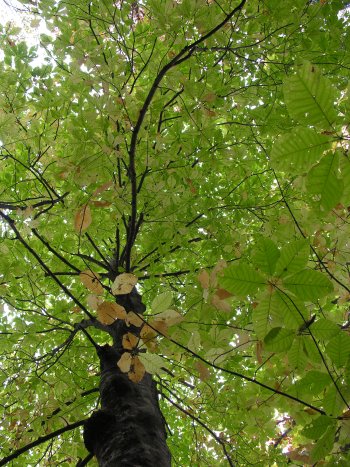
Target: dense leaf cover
(202,148)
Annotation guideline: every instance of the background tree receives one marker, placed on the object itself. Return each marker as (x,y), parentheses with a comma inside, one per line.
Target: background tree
(195,154)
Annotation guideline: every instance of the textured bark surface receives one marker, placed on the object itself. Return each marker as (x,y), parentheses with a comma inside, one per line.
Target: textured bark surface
(129,430)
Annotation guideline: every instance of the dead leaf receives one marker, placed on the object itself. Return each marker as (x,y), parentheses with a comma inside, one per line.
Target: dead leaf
(91,280)
(130,341)
(134,319)
(82,219)
(101,204)
(108,312)
(169,317)
(102,188)
(137,370)
(148,335)
(222,294)
(160,326)
(203,370)
(94,301)
(124,283)
(203,278)
(124,363)
(220,304)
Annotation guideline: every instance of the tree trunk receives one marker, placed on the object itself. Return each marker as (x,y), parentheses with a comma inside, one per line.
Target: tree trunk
(129,430)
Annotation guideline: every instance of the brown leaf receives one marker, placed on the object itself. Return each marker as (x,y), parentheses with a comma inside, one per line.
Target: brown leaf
(134,319)
(124,363)
(124,283)
(203,278)
(220,304)
(82,219)
(102,188)
(159,326)
(101,204)
(137,370)
(108,312)
(222,294)
(91,280)
(203,370)
(130,341)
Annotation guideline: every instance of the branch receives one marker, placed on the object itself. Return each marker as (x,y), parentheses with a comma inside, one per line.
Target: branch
(40,440)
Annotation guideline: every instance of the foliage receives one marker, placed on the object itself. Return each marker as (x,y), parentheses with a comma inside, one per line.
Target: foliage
(202,149)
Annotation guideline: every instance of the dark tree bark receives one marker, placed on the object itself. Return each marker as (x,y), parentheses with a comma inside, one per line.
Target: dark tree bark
(129,429)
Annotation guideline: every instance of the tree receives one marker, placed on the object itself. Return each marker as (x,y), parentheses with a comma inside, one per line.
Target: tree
(175,192)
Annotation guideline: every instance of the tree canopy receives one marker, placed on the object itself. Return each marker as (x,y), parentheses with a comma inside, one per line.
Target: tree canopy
(198,151)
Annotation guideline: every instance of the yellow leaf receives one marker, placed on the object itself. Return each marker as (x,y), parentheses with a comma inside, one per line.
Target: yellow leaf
(82,219)
(124,283)
(203,278)
(137,370)
(203,370)
(159,326)
(169,317)
(108,312)
(91,280)
(148,336)
(124,363)
(130,341)
(134,319)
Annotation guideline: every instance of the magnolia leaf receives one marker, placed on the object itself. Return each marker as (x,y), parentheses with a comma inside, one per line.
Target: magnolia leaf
(108,312)
(124,283)
(130,341)
(153,363)
(279,339)
(91,280)
(161,302)
(310,97)
(308,284)
(82,219)
(137,370)
(242,280)
(124,362)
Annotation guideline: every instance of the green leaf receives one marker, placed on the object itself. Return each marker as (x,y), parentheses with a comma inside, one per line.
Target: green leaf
(324,329)
(318,426)
(300,150)
(310,98)
(279,339)
(322,181)
(324,444)
(309,285)
(338,349)
(266,255)
(294,257)
(161,302)
(153,363)
(296,354)
(242,280)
